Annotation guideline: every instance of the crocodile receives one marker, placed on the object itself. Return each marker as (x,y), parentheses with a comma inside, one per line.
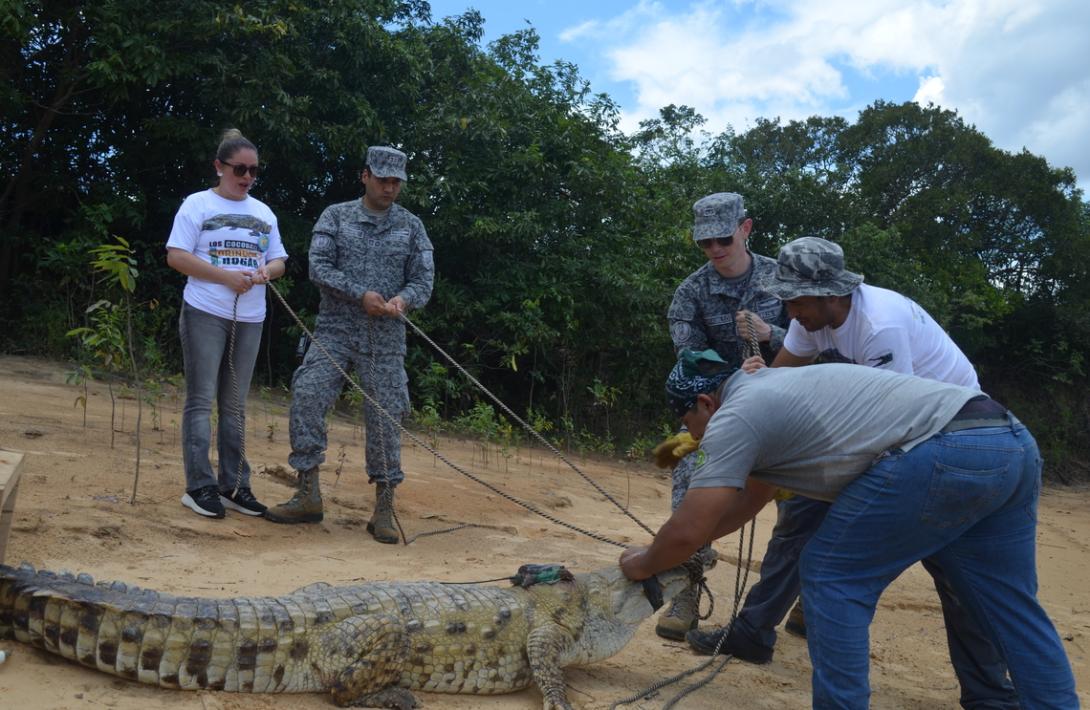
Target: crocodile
(256,226)
(368,645)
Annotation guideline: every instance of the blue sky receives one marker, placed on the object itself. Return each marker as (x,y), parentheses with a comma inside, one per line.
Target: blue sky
(1019,70)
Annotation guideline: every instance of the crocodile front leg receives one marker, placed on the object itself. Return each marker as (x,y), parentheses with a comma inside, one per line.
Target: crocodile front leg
(544,646)
(362,656)
(392,697)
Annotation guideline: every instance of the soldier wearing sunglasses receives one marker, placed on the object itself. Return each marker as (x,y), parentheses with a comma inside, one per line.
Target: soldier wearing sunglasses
(712,309)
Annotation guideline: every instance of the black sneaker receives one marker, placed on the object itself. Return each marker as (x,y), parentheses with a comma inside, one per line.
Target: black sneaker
(204,501)
(736,644)
(243,501)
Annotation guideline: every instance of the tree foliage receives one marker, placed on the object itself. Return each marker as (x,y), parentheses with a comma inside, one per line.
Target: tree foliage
(559,240)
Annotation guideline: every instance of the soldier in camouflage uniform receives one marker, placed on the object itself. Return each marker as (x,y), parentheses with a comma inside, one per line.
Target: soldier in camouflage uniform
(372,261)
(710,307)
(710,310)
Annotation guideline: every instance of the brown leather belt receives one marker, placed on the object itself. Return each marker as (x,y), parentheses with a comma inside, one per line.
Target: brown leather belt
(980,411)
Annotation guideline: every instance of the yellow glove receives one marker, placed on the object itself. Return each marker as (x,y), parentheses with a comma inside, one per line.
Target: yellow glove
(782,494)
(677,447)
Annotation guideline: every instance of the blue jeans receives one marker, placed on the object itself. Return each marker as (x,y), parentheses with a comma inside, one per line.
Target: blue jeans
(979,667)
(968,501)
(205,339)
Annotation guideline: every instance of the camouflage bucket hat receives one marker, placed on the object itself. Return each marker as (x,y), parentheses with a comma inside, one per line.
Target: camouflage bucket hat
(810,266)
(717,215)
(385,161)
(696,372)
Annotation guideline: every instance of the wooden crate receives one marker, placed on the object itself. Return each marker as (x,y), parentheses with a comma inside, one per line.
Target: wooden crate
(11,465)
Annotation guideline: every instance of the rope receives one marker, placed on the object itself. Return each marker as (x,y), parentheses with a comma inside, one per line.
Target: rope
(508,578)
(238,398)
(419,442)
(541,439)
(429,533)
(387,491)
(700,683)
(752,346)
(659,685)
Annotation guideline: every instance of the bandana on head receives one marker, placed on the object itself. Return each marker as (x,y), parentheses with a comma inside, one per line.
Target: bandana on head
(696,372)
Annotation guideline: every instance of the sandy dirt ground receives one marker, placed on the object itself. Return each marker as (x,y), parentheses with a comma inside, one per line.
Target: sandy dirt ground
(73,513)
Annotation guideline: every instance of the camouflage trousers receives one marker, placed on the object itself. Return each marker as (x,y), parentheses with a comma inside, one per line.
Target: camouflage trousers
(682,473)
(316,386)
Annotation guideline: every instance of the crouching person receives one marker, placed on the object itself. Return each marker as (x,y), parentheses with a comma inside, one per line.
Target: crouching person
(914,469)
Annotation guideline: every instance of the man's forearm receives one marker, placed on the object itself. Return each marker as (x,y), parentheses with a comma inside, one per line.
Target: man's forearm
(672,545)
(746,506)
(786,358)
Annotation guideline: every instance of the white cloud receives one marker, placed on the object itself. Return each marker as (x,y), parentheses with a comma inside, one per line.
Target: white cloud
(930,91)
(585,29)
(1014,68)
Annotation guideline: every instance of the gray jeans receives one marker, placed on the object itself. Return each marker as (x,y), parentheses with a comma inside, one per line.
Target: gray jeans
(205,343)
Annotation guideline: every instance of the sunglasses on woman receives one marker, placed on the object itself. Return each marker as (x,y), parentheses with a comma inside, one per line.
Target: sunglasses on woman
(721,241)
(239,169)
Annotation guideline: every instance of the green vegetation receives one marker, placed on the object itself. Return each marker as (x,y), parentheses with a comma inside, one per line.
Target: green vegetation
(559,240)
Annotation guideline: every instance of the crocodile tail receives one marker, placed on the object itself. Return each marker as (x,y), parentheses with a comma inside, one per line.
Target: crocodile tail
(7,601)
(239,644)
(101,626)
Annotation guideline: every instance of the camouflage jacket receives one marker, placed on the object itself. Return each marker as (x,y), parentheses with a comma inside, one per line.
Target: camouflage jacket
(701,315)
(351,254)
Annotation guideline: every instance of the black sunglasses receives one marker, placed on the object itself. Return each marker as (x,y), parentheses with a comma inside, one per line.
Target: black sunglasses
(721,241)
(239,169)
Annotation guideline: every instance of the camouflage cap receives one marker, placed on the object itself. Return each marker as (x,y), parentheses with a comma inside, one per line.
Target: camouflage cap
(384,161)
(696,372)
(810,266)
(717,215)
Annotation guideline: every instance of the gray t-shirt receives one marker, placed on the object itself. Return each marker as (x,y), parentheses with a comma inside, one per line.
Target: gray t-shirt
(813,430)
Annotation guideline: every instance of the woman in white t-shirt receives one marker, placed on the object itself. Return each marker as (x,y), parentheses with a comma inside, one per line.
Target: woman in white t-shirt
(228,244)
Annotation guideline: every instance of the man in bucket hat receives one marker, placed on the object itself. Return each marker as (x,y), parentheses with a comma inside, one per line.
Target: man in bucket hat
(713,309)
(372,261)
(913,469)
(836,317)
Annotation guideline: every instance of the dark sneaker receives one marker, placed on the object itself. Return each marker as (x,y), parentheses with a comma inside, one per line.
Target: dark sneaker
(243,501)
(204,501)
(704,642)
(796,621)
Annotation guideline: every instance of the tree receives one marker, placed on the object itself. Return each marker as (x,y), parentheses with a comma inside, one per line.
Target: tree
(111,338)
